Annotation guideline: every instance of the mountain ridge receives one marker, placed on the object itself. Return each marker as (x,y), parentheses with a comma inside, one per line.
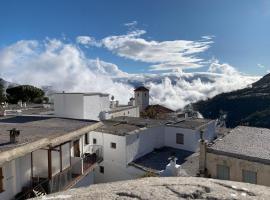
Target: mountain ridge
(248,106)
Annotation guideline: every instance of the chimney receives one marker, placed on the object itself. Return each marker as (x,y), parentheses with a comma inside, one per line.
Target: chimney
(202,159)
(13,135)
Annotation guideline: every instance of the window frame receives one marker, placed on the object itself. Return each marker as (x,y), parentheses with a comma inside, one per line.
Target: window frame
(250,173)
(113,145)
(94,141)
(101,169)
(183,138)
(221,175)
(86,139)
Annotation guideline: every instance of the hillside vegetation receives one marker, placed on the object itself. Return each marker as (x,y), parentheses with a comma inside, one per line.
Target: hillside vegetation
(249,106)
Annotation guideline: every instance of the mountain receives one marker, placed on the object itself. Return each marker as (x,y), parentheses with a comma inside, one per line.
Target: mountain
(7,84)
(248,106)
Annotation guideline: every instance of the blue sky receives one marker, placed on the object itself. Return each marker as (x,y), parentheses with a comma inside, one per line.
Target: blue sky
(240,29)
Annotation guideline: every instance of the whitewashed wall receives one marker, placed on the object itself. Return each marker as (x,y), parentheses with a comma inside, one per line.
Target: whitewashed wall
(131,112)
(144,142)
(190,138)
(17,174)
(69,105)
(116,173)
(94,105)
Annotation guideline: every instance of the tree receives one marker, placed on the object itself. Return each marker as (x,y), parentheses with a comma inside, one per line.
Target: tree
(2,94)
(25,93)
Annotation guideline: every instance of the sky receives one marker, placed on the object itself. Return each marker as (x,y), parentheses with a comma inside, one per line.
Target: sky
(43,42)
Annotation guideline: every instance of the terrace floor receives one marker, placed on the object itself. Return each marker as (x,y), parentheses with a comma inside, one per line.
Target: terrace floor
(158,159)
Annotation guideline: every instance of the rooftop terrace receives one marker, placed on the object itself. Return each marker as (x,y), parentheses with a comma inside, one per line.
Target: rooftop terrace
(35,128)
(127,125)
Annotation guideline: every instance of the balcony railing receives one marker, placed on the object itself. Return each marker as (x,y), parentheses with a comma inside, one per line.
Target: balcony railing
(68,177)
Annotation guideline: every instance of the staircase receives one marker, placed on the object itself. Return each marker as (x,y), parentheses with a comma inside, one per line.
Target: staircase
(39,191)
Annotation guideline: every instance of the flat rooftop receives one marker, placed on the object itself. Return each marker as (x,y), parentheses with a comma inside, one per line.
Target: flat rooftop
(84,93)
(244,142)
(127,125)
(33,128)
(189,123)
(158,160)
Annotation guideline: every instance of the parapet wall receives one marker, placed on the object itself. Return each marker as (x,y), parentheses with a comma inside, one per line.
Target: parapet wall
(167,188)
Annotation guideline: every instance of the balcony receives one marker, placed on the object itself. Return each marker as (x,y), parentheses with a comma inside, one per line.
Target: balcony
(67,178)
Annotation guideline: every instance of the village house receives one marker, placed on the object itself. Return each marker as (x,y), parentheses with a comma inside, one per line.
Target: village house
(45,154)
(40,155)
(94,106)
(129,142)
(241,155)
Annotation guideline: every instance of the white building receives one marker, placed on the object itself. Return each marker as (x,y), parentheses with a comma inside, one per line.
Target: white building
(52,154)
(43,155)
(126,140)
(93,106)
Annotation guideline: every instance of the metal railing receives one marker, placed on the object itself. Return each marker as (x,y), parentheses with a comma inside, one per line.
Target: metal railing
(63,179)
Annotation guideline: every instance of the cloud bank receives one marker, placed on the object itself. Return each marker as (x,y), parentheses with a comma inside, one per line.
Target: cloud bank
(65,66)
(162,56)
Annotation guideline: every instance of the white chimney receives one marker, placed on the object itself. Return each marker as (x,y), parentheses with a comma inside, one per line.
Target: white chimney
(172,169)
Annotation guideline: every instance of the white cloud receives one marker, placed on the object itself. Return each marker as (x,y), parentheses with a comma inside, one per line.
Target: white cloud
(131,24)
(88,41)
(176,90)
(64,66)
(165,55)
(61,65)
(260,66)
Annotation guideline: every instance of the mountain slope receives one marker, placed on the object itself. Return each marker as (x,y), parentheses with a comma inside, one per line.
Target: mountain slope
(249,106)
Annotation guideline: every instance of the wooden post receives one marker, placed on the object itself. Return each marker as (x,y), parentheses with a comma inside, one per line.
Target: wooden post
(49,164)
(32,169)
(61,164)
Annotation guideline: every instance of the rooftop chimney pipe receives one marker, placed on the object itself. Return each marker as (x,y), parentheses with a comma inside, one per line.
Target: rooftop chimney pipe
(13,135)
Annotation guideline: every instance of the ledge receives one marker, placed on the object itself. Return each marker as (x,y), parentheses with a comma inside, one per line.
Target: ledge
(166,188)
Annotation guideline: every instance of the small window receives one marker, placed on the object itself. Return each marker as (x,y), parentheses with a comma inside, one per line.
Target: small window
(101,169)
(223,172)
(113,145)
(94,140)
(138,94)
(249,176)
(1,180)
(179,138)
(144,94)
(86,140)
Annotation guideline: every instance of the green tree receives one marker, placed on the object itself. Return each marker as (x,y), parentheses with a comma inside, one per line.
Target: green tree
(25,93)
(2,94)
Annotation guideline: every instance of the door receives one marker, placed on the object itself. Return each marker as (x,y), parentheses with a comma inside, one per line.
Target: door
(76,148)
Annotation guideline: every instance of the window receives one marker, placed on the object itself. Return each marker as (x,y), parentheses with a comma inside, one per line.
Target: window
(94,140)
(86,141)
(113,145)
(249,176)
(179,138)
(138,94)
(76,148)
(101,169)
(1,180)
(144,94)
(223,172)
